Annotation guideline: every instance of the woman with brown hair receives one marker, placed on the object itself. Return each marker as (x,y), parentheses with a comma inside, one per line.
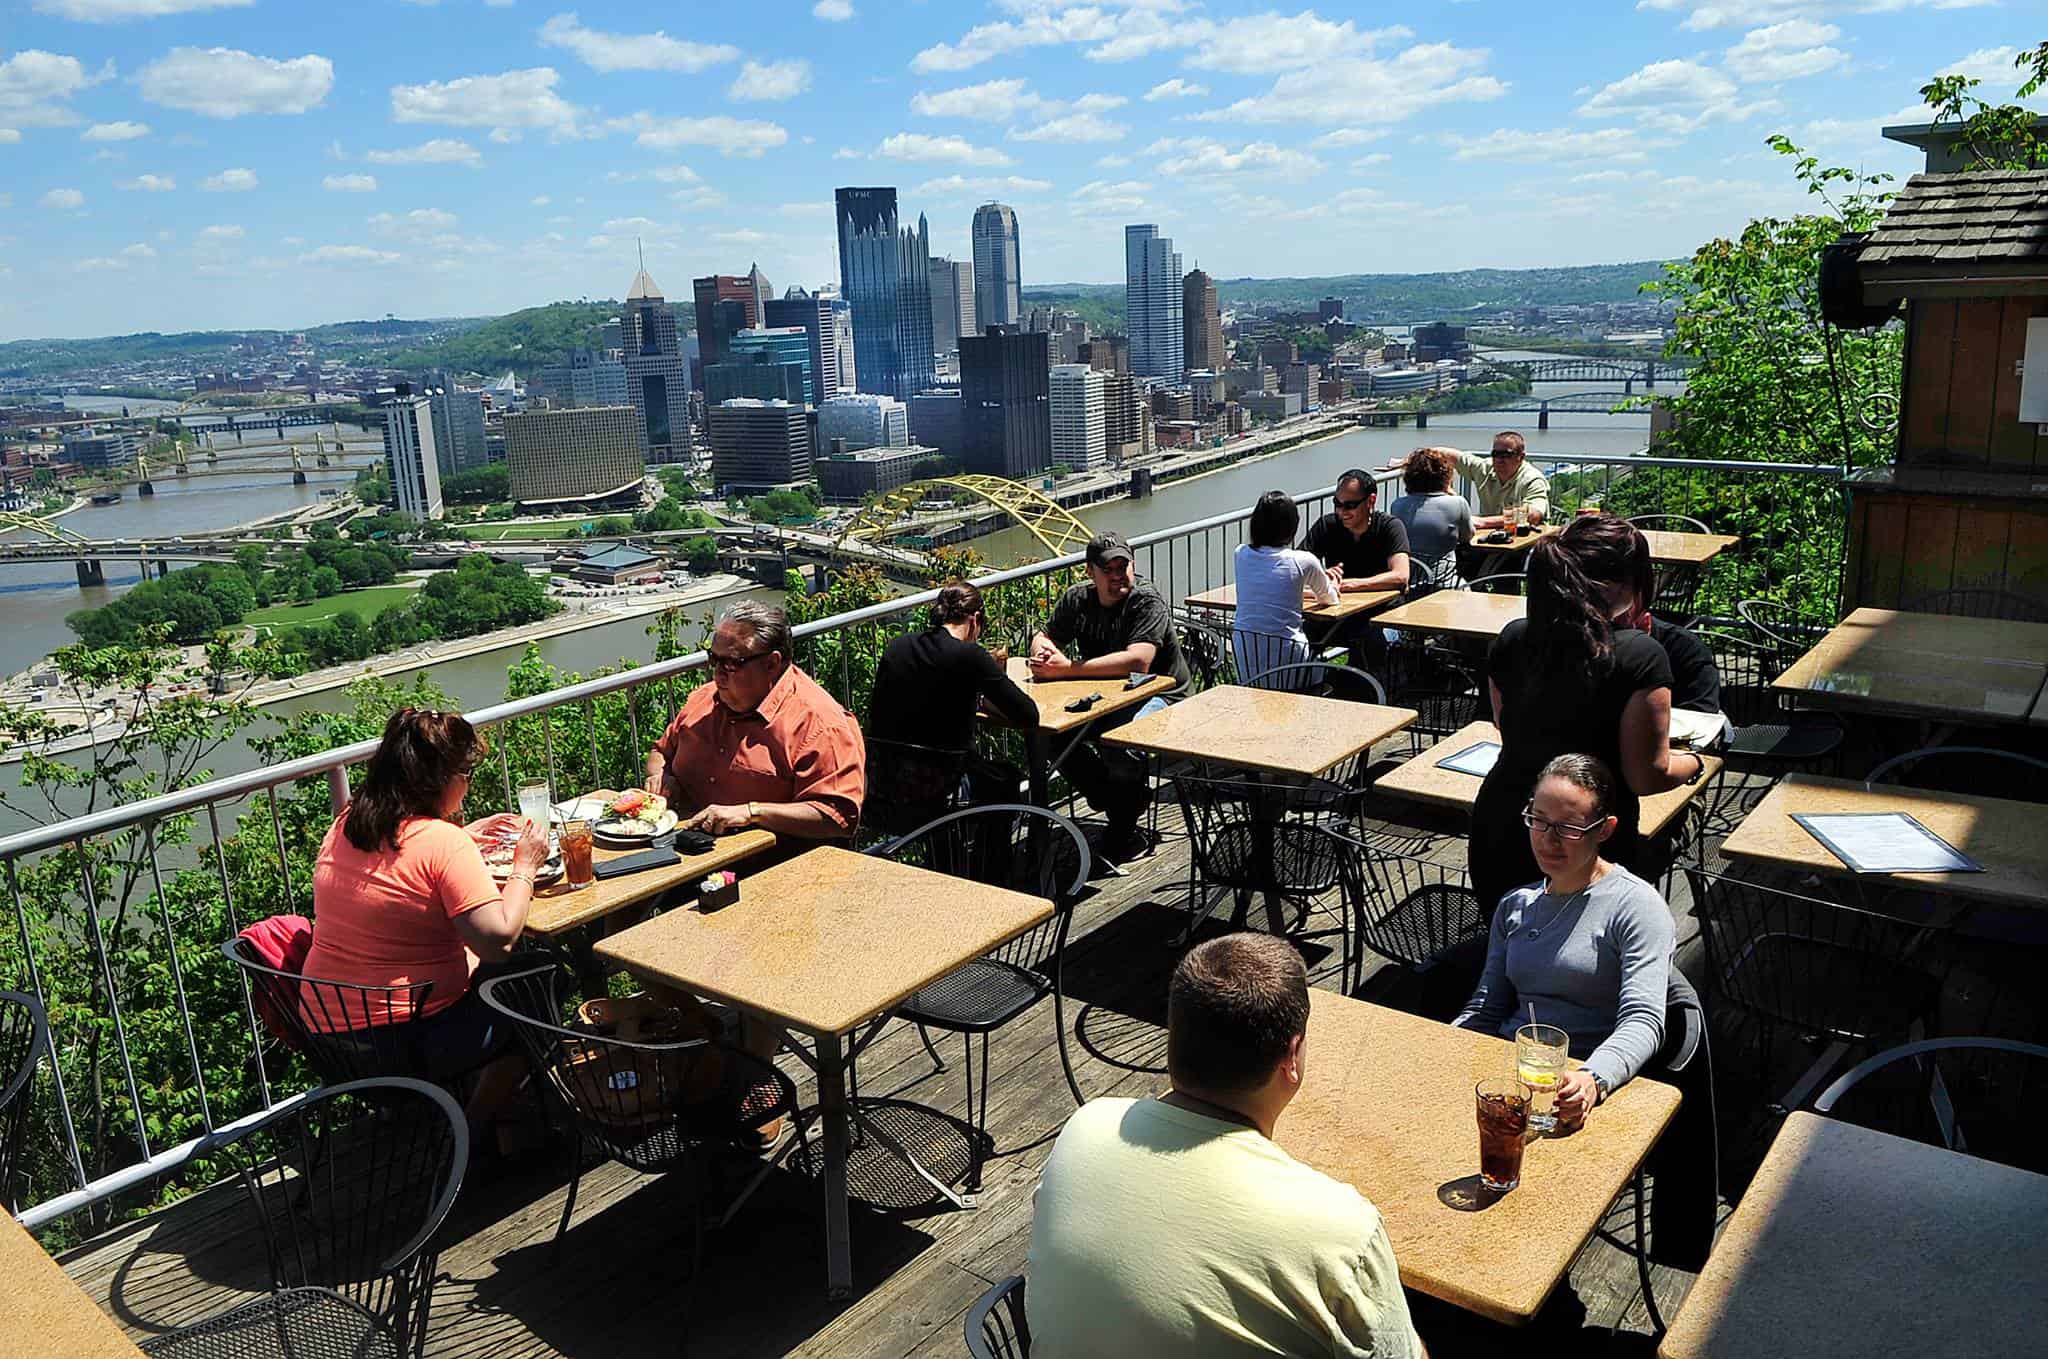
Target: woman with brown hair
(401,895)
(1439,523)
(1568,679)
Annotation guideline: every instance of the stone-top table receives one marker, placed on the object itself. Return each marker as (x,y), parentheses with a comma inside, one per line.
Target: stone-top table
(1349,602)
(1934,667)
(1520,542)
(1850,1243)
(1457,613)
(557,910)
(1271,730)
(43,1313)
(1053,696)
(1671,548)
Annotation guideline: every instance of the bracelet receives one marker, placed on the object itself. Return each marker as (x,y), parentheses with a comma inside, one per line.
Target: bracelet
(753,813)
(526,878)
(1699,766)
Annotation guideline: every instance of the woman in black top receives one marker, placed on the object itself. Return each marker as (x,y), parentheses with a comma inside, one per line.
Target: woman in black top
(1575,678)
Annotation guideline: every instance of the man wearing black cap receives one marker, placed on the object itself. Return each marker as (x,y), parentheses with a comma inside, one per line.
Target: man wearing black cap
(1115,624)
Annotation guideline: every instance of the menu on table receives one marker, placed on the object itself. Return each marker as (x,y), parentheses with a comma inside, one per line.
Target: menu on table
(1885,842)
(1476,760)
(1696,730)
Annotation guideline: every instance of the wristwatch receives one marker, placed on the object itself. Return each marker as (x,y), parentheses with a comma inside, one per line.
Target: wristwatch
(1600,1084)
(1699,766)
(753,813)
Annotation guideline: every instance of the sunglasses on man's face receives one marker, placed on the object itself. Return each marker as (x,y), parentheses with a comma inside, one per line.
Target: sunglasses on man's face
(1349,504)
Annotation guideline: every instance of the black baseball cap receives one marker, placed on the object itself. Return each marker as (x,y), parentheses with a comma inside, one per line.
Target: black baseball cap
(1105,548)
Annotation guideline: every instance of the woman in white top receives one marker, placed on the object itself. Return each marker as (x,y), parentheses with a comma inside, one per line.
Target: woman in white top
(1272,579)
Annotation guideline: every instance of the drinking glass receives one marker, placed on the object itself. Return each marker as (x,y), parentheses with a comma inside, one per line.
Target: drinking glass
(534,803)
(1541,1052)
(1503,1119)
(576,862)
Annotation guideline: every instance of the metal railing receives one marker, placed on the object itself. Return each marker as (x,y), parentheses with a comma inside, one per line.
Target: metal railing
(116,1111)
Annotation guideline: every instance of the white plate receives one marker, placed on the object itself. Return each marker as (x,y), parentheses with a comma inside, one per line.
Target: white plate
(544,875)
(581,809)
(636,830)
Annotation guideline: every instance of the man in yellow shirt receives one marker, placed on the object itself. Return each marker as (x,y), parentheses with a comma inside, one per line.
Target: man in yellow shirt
(1176,1226)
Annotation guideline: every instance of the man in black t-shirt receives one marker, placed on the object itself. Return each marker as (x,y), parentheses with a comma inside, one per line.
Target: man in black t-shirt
(1116,624)
(1362,549)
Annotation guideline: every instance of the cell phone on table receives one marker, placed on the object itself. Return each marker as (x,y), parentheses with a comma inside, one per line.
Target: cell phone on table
(1083,704)
(1138,677)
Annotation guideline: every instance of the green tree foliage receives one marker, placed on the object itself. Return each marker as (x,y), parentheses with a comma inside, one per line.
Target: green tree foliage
(666,516)
(783,507)
(373,485)
(702,555)
(525,341)
(477,486)
(1993,136)
(481,596)
(191,604)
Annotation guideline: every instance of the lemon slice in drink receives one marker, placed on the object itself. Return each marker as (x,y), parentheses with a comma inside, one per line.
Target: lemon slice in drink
(1537,1078)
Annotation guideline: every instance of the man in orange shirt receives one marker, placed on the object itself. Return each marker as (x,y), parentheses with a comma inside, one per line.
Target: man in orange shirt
(762,744)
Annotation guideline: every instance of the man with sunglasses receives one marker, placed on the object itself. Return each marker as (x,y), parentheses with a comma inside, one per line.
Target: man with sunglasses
(1361,549)
(762,744)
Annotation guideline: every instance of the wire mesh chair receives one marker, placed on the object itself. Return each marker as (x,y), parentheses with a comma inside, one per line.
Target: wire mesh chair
(1789,631)
(24,1038)
(1983,1096)
(1412,910)
(1678,583)
(1966,769)
(1261,655)
(1501,583)
(647,1102)
(1823,969)
(1769,737)
(346,1032)
(996,1325)
(1324,679)
(1288,841)
(349,1185)
(1447,697)
(1668,523)
(909,784)
(1981,603)
(1026,849)
(1207,648)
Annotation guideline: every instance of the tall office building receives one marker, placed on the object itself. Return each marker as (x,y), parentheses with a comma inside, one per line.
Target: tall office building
(657,378)
(863,421)
(952,303)
(886,276)
(458,430)
(585,377)
(1202,324)
(1152,303)
(1080,436)
(819,317)
(584,453)
(783,344)
(717,324)
(757,445)
(935,420)
(762,290)
(1126,417)
(998,300)
(759,375)
(409,449)
(1005,411)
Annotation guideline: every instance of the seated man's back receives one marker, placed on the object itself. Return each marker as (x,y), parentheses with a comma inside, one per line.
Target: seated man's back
(1160,1230)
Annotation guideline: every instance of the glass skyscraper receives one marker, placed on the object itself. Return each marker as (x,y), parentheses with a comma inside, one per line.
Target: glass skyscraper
(997,300)
(885,274)
(657,377)
(1152,303)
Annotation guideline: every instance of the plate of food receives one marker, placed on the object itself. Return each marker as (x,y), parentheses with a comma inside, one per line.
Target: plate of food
(636,816)
(498,858)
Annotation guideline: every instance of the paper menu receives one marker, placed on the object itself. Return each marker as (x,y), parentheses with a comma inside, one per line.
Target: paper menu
(1885,842)
(1476,760)
(1696,730)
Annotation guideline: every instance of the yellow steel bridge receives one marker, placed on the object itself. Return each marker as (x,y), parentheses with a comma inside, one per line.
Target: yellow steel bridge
(1056,530)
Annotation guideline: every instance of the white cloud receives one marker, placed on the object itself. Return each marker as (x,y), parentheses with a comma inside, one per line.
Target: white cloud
(992,101)
(224,231)
(1207,156)
(349,183)
(35,87)
(655,51)
(230,181)
(1674,96)
(1354,89)
(436,151)
(422,226)
(63,200)
(742,236)
(991,184)
(128,255)
(920,146)
(539,200)
(1106,198)
(113,11)
(1992,65)
(1043,28)
(833,11)
(1788,51)
(114,132)
(729,136)
(224,82)
(1558,144)
(767,82)
(149,184)
(1175,88)
(660,174)
(1112,162)
(348,254)
(1074,127)
(1706,15)
(8,136)
(138,251)
(524,98)
(809,208)
(1367,162)
(1348,136)
(1264,44)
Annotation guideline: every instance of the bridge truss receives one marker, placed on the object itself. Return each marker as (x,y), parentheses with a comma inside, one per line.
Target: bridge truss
(44,528)
(1056,530)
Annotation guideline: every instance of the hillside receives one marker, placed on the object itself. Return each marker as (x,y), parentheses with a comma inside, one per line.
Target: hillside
(525,341)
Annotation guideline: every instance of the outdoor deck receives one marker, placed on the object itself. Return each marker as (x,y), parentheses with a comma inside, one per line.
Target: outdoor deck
(619,1285)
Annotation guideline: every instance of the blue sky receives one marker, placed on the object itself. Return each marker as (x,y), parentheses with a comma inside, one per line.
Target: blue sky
(181,164)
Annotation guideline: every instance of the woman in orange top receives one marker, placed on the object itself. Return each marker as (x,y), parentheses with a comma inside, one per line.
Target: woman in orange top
(401,895)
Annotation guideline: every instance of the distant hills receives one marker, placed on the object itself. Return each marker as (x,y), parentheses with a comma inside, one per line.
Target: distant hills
(534,337)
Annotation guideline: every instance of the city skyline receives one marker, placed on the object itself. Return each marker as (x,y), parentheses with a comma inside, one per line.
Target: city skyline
(221,164)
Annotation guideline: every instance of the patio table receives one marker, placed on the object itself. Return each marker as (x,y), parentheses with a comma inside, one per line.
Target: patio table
(1457,613)
(1422,779)
(1388,1108)
(1349,603)
(1520,542)
(1669,548)
(1850,1242)
(557,910)
(1935,667)
(1275,731)
(43,1313)
(825,946)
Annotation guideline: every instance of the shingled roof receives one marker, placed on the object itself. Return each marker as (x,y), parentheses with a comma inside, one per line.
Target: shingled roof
(1961,222)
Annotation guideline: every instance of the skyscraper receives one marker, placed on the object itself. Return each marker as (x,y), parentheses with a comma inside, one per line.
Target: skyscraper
(759,444)
(886,276)
(409,449)
(1202,324)
(714,323)
(1152,303)
(657,378)
(1079,434)
(952,303)
(458,430)
(585,377)
(819,317)
(1005,403)
(585,453)
(997,300)
(785,345)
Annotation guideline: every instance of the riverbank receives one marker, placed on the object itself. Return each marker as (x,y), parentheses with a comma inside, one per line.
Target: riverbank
(98,712)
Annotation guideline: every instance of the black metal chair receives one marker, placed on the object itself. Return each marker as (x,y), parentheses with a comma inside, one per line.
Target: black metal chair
(996,1325)
(1288,840)
(1413,910)
(1026,849)
(346,1032)
(1678,583)
(1787,629)
(1821,968)
(646,1103)
(24,1039)
(909,784)
(1966,769)
(1981,603)
(1501,583)
(1264,660)
(1207,648)
(1770,738)
(1983,1096)
(1325,679)
(1447,695)
(349,1185)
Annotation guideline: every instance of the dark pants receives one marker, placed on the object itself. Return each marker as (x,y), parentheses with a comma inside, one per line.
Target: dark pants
(1116,782)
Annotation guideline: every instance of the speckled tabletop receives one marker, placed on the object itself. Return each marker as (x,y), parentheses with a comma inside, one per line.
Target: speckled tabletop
(43,1313)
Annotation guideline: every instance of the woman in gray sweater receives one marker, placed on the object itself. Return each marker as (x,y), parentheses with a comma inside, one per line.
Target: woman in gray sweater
(1587,949)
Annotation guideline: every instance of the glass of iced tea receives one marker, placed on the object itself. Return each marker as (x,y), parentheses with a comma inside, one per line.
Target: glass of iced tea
(1541,1051)
(1503,1120)
(576,865)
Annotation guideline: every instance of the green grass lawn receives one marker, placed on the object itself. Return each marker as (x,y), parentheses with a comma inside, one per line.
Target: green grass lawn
(551,528)
(364,604)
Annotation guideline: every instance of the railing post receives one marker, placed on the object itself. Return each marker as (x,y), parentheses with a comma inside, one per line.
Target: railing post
(337,788)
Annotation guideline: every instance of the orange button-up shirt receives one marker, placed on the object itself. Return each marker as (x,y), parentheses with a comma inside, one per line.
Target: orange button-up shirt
(798,746)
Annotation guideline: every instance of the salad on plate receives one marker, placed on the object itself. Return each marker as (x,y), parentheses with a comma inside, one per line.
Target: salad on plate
(636,815)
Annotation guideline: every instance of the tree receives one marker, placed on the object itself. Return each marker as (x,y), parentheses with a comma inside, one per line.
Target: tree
(702,555)
(1993,137)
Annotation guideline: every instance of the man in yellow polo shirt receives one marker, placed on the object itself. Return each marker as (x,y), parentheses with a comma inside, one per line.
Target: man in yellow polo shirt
(1176,1226)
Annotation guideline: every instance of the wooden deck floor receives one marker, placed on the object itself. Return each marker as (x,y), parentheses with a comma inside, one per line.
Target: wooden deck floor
(619,1286)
